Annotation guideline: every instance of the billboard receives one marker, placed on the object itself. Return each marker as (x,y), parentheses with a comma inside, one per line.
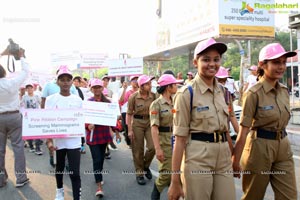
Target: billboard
(186,22)
(246,19)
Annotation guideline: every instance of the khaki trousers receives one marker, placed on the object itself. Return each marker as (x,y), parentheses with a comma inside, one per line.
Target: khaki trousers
(208,171)
(165,167)
(268,161)
(141,158)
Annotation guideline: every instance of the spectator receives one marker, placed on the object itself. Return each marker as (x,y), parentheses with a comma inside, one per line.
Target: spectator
(230,85)
(11,123)
(189,79)
(251,79)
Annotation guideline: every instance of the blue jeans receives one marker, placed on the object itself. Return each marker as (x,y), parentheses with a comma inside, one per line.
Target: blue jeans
(98,154)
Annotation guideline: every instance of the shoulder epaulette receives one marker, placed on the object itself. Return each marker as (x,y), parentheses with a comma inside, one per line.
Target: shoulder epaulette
(256,87)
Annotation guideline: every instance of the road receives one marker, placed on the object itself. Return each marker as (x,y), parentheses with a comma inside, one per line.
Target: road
(117,185)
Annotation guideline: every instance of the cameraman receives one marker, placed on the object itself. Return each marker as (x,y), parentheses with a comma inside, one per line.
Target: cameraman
(11,122)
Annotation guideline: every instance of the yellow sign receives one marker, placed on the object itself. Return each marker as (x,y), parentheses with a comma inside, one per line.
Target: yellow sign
(240,30)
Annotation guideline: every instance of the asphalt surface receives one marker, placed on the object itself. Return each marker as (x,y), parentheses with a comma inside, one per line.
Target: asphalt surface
(119,183)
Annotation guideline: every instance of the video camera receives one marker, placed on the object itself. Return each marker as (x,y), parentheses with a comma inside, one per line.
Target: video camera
(14,50)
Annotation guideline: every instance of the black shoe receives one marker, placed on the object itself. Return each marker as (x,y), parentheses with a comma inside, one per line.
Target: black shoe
(148,173)
(140,180)
(22,183)
(155,195)
(107,156)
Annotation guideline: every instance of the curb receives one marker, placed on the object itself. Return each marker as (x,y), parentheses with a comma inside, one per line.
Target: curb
(294,136)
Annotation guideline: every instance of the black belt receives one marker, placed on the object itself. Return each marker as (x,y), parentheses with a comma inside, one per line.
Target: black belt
(141,116)
(165,128)
(271,135)
(210,137)
(9,112)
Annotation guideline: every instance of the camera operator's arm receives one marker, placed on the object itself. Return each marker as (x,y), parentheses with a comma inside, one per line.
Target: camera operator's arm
(18,80)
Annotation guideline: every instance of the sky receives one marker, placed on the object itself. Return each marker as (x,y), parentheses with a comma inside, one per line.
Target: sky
(90,26)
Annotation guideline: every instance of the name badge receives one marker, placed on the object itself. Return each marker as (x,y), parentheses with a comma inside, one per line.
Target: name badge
(202,108)
(163,111)
(267,107)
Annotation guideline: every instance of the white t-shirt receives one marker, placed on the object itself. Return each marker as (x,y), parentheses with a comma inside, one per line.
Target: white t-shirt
(251,79)
(57,101)
(230,85)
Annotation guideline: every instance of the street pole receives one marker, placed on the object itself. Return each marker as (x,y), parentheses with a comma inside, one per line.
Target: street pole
(292,67)
(241,86)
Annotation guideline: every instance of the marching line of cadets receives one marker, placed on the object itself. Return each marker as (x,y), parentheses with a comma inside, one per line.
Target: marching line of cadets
(187,130)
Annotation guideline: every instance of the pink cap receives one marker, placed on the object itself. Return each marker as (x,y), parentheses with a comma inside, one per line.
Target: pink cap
(63,70)
(190,73)
(96,82)
(205,44)
(253,68)
(273,51)
(29,84)
(144,79)
(222,73)
(133,77)
(167,79)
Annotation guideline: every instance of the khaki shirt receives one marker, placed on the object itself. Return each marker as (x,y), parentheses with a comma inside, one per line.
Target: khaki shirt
(161,112)
(266,107)
(209,113)
(139,106)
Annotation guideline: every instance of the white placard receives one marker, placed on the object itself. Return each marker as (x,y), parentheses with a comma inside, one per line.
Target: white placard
(93,60)
(52,123)
(125,67)
(101,113)
(71,59)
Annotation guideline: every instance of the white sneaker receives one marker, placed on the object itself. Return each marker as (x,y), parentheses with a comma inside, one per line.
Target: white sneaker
(59,194)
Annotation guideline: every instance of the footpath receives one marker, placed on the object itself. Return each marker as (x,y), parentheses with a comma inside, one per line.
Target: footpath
(293,128)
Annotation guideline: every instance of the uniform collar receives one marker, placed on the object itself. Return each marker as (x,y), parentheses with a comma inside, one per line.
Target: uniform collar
(202,85)
(163,100)
(140,96)
(268,87)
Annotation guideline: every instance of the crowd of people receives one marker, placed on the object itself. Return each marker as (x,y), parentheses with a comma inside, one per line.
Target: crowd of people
(184,125)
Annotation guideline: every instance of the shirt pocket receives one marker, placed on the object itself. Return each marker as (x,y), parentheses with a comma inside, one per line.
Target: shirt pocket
(266,111)
(204,120)
(166,116)
(139,107)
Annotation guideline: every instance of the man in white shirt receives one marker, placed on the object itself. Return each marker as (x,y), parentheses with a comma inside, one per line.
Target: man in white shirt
(11,123)
(251,79)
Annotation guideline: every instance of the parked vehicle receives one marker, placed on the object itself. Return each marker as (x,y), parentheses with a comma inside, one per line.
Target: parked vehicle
(237,111)
(296,90)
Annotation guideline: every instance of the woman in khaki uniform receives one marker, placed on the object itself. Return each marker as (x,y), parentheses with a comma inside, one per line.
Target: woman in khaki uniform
(201,133)
(138,122)
(161,120)
(267,155)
